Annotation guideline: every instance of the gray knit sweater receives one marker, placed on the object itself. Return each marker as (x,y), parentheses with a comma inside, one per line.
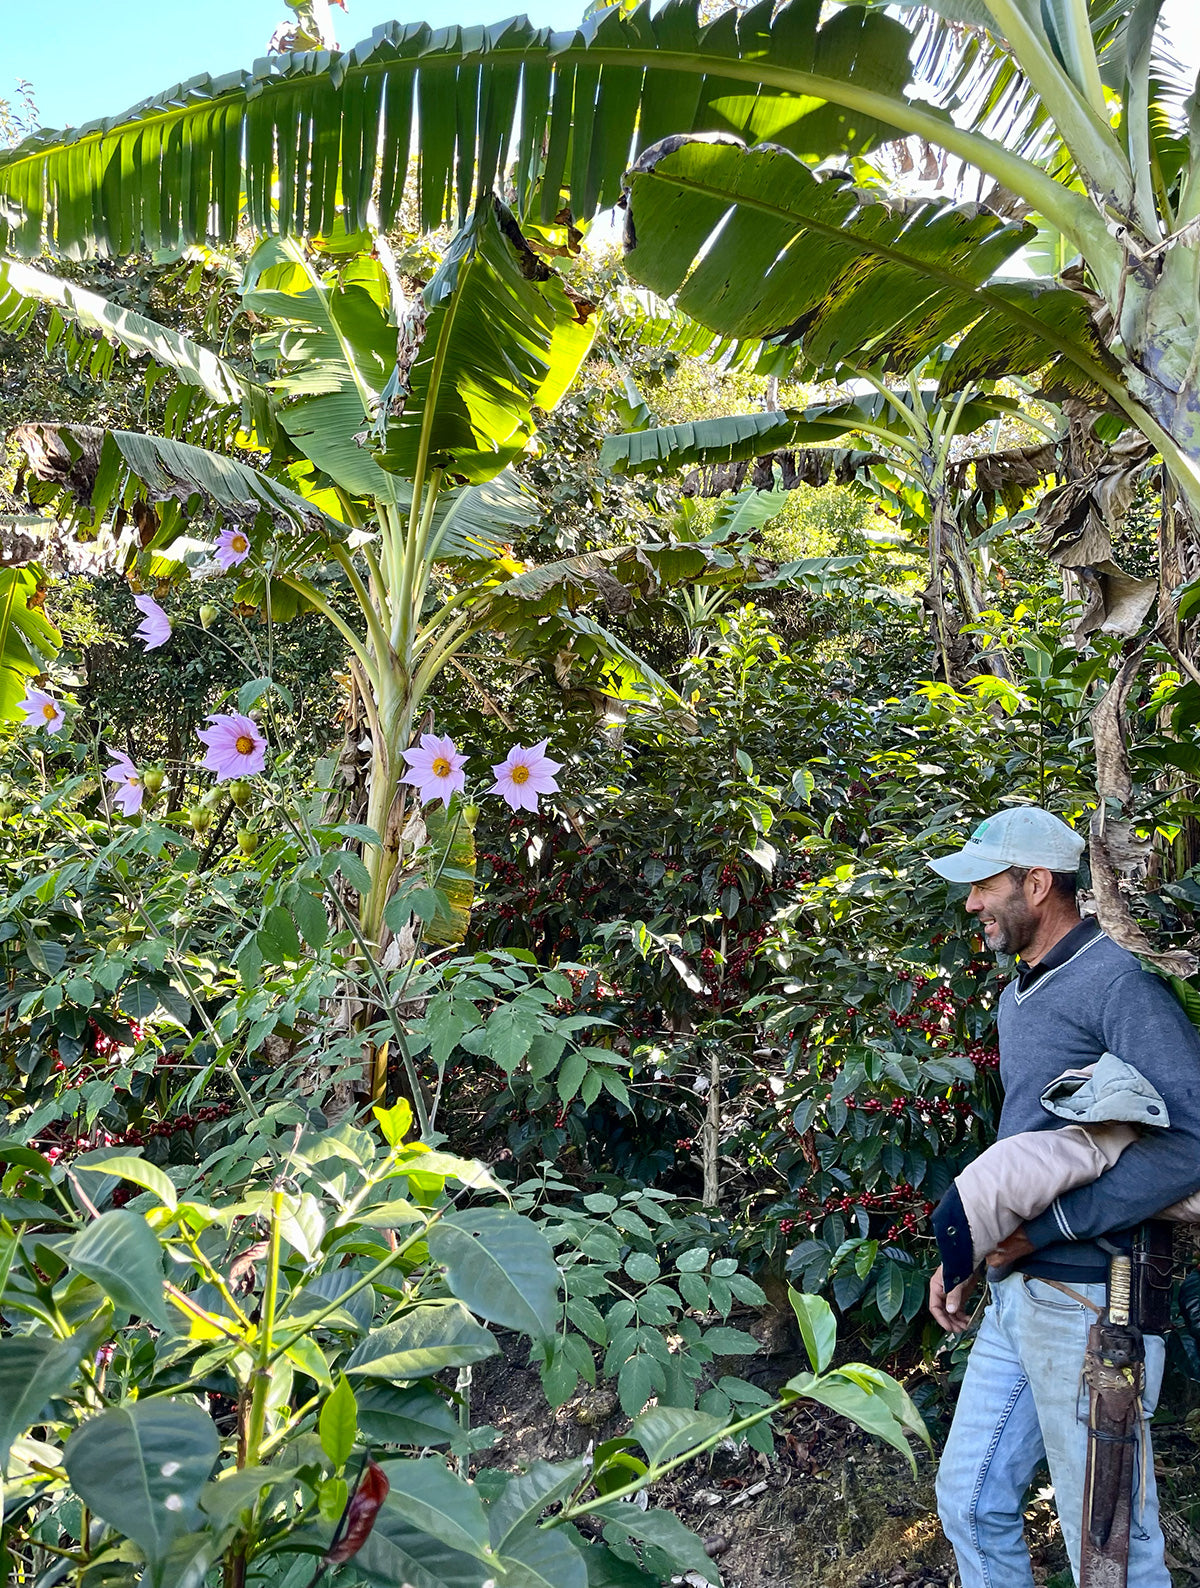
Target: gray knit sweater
(1096,999)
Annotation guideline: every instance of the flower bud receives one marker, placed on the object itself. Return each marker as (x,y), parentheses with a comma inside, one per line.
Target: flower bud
(214,798)
(200,818)
(470,815)
(152,779)
(241,793)
(247,840)
(209,614)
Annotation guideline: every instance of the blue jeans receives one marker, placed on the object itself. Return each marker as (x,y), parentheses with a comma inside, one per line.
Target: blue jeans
(1023,1399)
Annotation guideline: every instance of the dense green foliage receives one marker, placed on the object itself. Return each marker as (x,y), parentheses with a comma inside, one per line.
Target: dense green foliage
(324,1083)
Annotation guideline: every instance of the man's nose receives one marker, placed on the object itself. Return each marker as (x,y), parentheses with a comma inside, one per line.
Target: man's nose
(974,902)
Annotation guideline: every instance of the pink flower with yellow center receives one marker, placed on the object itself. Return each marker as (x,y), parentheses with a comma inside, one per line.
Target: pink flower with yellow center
(435,768)
(233,547)
(524,774)
(155,628)
(42,710)
(130,790)
(236,746)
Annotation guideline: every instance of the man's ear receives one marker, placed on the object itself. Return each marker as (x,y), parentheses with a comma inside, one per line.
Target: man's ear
(1039,883)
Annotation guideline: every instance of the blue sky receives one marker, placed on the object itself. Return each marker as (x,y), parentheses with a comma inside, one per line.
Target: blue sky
(88,59)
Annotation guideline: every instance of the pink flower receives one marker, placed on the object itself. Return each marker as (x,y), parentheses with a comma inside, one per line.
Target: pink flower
(155,627)
(129,793)
(233,547)
(524,774)
(435,769)
(236,747)
(43,711)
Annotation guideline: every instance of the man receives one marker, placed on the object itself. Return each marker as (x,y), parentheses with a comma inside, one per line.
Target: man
(1076,995)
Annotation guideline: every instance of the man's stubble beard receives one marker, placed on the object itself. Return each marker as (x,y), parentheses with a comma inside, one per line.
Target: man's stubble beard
(1016,925)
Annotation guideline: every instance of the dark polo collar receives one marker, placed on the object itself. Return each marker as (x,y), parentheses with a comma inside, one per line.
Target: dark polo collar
(1062,951)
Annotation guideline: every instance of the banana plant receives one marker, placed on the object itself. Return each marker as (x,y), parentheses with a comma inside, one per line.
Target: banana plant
(905,446)
(1066,113)
(377,437)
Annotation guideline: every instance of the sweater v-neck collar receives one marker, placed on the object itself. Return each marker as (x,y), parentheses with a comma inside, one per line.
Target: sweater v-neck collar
(1076,940)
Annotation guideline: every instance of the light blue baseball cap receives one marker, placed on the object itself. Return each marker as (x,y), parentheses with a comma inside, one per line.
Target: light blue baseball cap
(1022,835)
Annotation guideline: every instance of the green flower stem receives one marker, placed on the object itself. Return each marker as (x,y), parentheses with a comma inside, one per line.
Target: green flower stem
(368,1278)
(138,907)
(214,1276)
(379,980)
(289,1427)
(260,1378)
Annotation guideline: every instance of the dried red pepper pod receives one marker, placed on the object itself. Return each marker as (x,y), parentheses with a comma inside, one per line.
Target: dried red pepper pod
(358,1518)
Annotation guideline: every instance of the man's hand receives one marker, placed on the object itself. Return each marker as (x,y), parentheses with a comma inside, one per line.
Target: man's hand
(1011,1249)
(951,1312)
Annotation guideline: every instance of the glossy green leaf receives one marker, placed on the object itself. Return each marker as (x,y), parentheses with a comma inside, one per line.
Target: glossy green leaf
(395,1122)
(752,243)
(121,1253)
(736,437)
(142,1467)
(140,1172)
(818,1327)
(34,1369)
(667,1431)
(466,94)
(889,1292)
(413,1416)
(338,1423)
(396,1551)
(333,349)
(429,1496)
(501,1265)
(861,1405)
(175,471)
(421,1342)
(542,1558)
(22,285)
(502,336)
(661,1528)
(527,1494)
(306,1356)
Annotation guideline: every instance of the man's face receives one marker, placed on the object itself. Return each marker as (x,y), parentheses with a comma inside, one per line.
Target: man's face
(1008,920)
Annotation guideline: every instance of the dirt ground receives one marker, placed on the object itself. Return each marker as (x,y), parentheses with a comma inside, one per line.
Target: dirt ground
(835,1509)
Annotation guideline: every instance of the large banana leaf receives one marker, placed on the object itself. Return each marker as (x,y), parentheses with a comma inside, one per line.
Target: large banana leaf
(334,349)
(28,640)
(746,511)
(304,136)
(755,245)
(737,436)
(23,290)
(614,575)
(502,337)
(105,471)
(476,522)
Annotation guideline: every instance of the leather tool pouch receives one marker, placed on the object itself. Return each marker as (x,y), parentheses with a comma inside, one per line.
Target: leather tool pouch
(1153,1271)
